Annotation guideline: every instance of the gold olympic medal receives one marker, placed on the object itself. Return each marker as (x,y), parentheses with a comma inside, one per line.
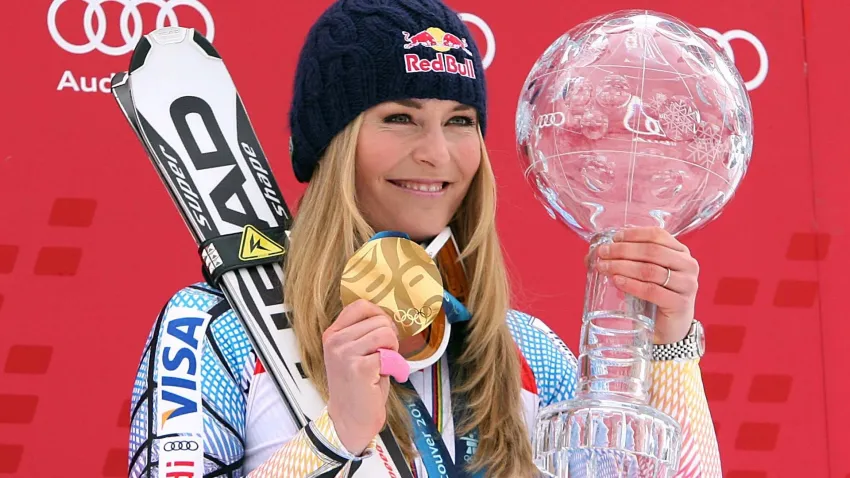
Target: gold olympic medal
(398,276)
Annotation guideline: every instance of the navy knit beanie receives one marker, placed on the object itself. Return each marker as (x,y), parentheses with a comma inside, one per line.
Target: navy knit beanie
(360,53)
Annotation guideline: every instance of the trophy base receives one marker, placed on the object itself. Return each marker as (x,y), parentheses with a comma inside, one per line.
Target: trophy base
(590,438)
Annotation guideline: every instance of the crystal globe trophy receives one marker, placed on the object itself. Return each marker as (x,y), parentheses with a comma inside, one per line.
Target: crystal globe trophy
(635,118)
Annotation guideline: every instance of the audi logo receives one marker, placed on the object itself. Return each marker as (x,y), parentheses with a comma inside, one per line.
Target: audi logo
(181,445)
(96,30)
(723,40)
(551,119)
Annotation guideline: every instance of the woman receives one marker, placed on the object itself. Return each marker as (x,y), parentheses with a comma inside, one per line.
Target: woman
(388,119)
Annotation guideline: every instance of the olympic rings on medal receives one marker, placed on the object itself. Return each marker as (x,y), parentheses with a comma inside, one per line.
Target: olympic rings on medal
(412,316)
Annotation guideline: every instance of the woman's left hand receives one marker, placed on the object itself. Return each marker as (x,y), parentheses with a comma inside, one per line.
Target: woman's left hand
(639,261)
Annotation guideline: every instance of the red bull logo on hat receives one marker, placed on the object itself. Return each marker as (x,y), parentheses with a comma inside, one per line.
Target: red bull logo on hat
(440,41)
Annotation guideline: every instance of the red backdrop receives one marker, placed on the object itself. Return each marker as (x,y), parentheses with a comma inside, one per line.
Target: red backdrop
(91,246)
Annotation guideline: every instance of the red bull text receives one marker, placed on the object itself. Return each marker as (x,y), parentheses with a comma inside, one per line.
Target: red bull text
(443,63)
(441,42)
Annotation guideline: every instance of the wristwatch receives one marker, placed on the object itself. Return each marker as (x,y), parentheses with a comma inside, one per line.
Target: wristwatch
(691,347)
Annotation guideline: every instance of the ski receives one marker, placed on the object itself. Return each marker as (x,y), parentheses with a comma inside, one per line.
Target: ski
(180,100)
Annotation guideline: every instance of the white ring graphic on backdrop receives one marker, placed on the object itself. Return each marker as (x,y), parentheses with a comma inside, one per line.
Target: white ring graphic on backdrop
(488,36)
(723,40)
(95,35)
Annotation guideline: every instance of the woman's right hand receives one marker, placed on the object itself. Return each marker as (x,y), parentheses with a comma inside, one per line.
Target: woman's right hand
(357,391)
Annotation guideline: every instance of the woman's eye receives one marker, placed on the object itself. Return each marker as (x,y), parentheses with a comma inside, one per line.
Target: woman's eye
(463,121)
(403,118)
(397,118)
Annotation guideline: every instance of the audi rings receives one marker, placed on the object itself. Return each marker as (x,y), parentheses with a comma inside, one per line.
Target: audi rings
(489,38)
(723,40)
(181,445)
(96,34)
(551,119)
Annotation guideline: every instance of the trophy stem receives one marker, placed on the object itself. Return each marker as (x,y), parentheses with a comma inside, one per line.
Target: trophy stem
(609,430)
(616,338)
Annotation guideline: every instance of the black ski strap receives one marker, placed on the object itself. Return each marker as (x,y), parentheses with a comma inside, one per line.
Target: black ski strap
(249,248)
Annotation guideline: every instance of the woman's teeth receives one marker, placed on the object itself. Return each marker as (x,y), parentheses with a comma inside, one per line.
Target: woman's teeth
(429,187)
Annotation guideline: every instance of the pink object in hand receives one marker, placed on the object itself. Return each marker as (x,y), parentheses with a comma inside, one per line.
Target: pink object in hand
(392,363)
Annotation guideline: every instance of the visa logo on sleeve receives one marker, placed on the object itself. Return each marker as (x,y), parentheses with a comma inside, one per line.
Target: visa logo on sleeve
(179,365)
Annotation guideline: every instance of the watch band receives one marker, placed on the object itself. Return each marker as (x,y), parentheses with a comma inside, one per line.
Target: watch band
(691,347)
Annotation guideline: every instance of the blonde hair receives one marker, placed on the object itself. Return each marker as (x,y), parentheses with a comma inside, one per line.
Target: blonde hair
(326,232)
